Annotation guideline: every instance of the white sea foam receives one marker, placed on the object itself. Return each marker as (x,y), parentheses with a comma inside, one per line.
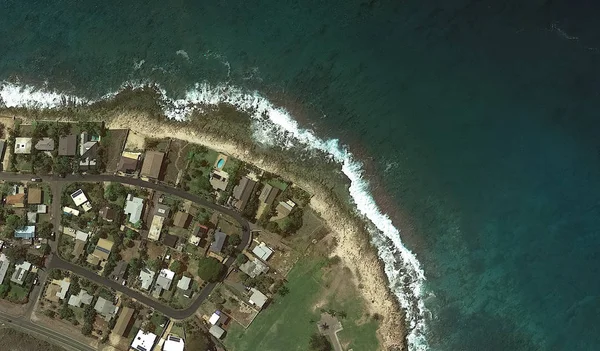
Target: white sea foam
(138,64)
(183,54)
(274,125)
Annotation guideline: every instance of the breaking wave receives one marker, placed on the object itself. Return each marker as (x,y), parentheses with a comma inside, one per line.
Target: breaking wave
(275,126)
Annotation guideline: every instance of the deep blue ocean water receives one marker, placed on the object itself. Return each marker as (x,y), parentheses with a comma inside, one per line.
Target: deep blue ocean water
(481,120)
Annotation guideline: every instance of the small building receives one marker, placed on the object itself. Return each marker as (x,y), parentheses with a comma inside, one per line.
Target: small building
(42,208)
(199,230)
(162,212)
(268,194)
(124,321)
(262,251)
(64,284)
(119,274)
(4,264)
(101,251)
(164,281)
(184,283)
(105,308)
(20,273)
(16,200)
(34,196)
(152,164)
(218,243)
(216,331)
(218,318)
(170,240)
(70,211)
(143,341)
(67,145)
(173,343)
(31,217)
(26,232)
(284,208)
(79,197)
(45,144)
(69,231)
(83,298)
(88,150)
(242,192)
(108,214)
(134,207)
(254,268)
(146,277)
(52,291)
(22,146)
(128,163)
(181,219)
(219,180)
(257,298)
(194,240)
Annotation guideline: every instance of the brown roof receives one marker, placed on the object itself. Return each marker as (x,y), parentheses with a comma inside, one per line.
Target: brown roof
(127,165)
(152,164)
(123,321)
(243,191)
(34,196)
(108,213)
(103,248)
(170,240)
(268,194)
(181,219)
(67,145)
(17,200)
(78,249)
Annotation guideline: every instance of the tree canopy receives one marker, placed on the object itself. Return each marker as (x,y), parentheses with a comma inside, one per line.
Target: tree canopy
(319,342)
(210,269)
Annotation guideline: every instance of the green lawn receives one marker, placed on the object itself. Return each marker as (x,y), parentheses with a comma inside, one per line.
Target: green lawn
(289,321)
(17,293)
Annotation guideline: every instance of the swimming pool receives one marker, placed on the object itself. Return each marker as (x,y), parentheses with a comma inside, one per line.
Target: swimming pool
(220,163)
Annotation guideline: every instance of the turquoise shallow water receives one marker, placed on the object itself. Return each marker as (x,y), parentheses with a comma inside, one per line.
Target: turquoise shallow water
(479,118)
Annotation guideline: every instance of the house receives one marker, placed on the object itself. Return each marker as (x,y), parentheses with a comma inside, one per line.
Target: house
(88,150)
(284,208)
(152,164)
(80,241)
(124,321)
(184,283)
(182,219)
(16,200)
(4,264)
(170,240)
(105,308)
(219,180)
(83,298)
(108,214)
(194,240)
(42,208)
(20,273)
(173,343)
(146,277)
(262,251)
(163,282)
(31,217)
(101,252)
(45,144)
(242,192)
(134,207)
(218,318)
(22,146)
(70,211)
(268,194)
(70,232)
(128,163)
(34,196)
(216,331)
(254,268)
(79,197)
(199,230)
(52,291)
(64,285)
(67,145)
(143,341)
(257,298)
(219,241)
(162,212)
(120,272)
(26,232)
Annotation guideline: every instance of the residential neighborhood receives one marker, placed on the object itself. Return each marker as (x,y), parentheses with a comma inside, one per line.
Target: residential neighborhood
(123,241)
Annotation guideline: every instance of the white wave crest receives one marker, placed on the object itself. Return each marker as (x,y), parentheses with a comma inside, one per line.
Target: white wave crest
(274,125)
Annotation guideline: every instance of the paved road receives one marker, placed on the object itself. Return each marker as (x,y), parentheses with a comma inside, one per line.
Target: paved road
(57,262)
(42,333)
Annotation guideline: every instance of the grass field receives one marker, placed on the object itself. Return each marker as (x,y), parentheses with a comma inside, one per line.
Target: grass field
(289,321)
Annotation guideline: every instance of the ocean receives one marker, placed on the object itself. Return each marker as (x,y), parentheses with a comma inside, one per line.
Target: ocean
(469,130)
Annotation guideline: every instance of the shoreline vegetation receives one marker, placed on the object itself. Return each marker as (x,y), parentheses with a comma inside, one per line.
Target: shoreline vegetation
(228,130)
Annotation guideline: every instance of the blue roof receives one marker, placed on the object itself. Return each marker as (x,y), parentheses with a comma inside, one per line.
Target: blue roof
(27,232)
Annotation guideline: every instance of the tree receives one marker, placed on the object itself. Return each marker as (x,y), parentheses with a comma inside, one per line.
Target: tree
(65,312)
(86,329)
(319,342)
(210,269)
(234,240)
(44,230)
(62,166)
(16,252)
(115,190)
(55,274)
(131,234)
(283,290)
(178,267)
(241,259)
(4,289)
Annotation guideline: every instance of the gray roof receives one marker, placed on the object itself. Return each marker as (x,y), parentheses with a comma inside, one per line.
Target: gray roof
(4,264)
(67,145)
(268,194)
(105,308)
(243,191)
(254,268)
(217,244)
(45,144)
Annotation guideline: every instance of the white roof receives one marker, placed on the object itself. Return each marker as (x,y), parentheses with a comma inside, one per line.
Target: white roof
(64,287)
(194,240)
(156,227)
(214,318)
(42,208)
(83,236)
(143,341)
(259,299)
(165,278)
(69,210)
(22,145)
(4,263)
(134,207)
(167,273)
(146,277)
(173,343)
(32,217)
(184,283)
(86,206)
(79,197)
(216,331)
(262,251)
(24,265)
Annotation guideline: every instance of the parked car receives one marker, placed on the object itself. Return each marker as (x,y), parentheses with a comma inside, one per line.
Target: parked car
(36,179)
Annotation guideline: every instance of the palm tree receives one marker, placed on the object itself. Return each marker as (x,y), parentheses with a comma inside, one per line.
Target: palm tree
(325,326)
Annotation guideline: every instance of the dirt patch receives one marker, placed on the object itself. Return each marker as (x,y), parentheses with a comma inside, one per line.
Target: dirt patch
(13,340)
(135,142)
(115,141)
